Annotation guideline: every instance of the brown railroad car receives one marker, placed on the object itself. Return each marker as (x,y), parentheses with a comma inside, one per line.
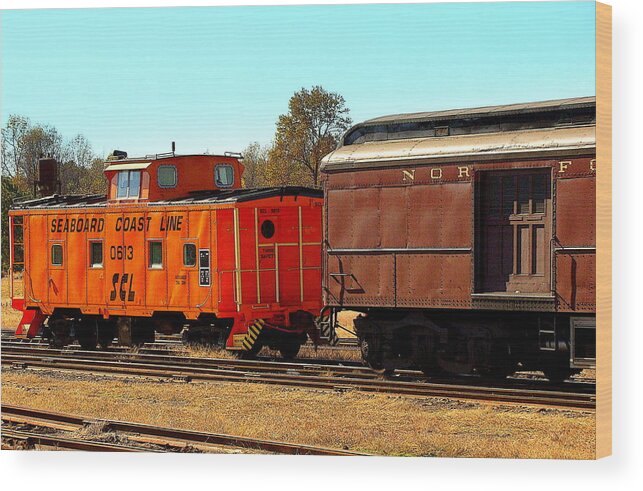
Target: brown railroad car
(176,245)
(466,238)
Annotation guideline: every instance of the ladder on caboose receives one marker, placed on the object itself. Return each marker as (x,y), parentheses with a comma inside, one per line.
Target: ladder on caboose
(16,262)
(32,318)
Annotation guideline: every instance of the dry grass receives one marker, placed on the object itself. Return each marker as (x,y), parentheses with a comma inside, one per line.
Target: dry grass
(328,353)
(321,353)
(9,317)
(203,351)
(345,319)
(375,423)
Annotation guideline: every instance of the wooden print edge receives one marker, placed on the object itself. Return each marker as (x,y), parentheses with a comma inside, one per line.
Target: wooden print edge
(604,230)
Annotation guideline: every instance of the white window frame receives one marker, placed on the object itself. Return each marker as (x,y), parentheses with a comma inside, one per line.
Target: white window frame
(128,194)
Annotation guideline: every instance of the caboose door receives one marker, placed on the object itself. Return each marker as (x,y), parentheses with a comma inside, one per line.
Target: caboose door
(57,281)
(514,232)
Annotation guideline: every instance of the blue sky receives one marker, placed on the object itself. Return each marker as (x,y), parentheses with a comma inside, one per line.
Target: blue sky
(217,78)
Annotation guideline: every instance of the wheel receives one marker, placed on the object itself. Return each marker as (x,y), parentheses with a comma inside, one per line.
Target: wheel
(252,353)
(289,349)
(56,342)
(142,332)
(431,371)
(557,375)
(86,332)
(498,372)
(59,333)
(370,354)
(87,342)
(106,332)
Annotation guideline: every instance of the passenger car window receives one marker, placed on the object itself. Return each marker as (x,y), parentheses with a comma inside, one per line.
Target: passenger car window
(96,254)
(129,184)
(189,255)
(166,176)
(155,254)
(57,255)
(223,176)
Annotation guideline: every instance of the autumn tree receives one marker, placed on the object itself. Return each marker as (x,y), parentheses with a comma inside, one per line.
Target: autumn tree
(255,160)
(22,144)
(8,193)
(315,121)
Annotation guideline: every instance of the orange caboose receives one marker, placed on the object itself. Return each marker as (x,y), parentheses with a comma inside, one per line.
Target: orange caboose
(176,245)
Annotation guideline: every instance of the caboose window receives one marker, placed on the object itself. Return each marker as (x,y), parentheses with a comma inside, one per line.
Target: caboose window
(166,176)
(57,255)
(155,254)
(189,255)
(223,176)
(96,254)
(129,184)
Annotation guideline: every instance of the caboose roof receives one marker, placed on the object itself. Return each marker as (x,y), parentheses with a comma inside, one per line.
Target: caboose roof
(168,155)
(195,198)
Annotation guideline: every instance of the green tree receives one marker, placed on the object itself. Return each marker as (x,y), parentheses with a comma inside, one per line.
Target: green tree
(315,121)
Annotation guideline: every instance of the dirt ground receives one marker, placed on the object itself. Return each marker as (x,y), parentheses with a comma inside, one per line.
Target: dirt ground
(373,423)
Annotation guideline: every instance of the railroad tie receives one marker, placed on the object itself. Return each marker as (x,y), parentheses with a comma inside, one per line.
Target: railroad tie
(253,334)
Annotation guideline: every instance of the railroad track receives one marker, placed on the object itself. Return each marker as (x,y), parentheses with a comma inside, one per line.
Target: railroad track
(310,375)
(58,430)
(344,344)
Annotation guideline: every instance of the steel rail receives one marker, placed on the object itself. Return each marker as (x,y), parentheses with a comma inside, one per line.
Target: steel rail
(31,439)
(551,398)
(326,367)
(340,367)
(168,435)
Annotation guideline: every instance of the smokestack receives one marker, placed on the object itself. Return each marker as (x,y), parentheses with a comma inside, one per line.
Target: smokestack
(173,147)
(48,182)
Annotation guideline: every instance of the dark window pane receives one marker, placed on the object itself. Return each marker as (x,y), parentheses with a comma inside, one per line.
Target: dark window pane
(508,195)
(523,194)
(492,198)
(57,255)
(96,254)
(155,254)
(189,255)
(167,176)
(540,192)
